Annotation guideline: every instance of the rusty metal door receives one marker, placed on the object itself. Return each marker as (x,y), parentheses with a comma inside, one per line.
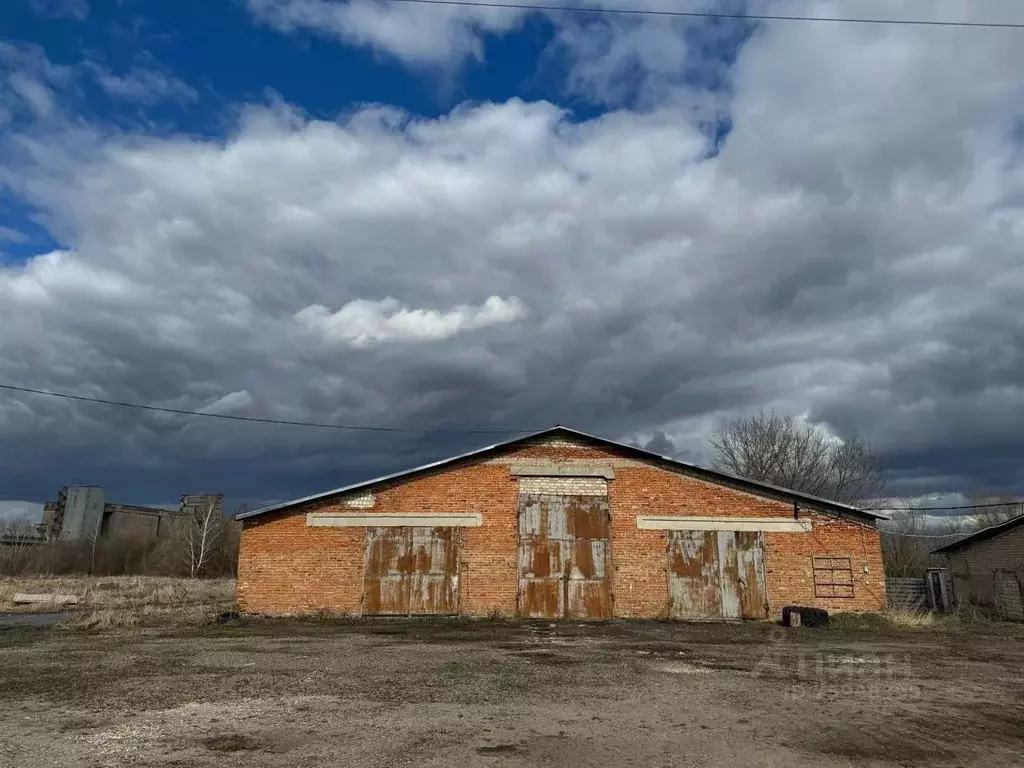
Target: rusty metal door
(693,575)
(411,571)
(716,574)
(750,569)
(564,558)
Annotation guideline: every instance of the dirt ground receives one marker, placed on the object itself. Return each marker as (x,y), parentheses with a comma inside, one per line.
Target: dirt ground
(392,693)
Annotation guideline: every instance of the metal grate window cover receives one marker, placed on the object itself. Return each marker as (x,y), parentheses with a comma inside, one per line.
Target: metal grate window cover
(833,576)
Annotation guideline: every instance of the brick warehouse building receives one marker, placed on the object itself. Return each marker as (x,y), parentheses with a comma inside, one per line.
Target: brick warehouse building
(559,524)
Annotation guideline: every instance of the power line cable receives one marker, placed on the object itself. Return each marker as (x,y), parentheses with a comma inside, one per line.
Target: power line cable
(363,428)
(945,509)
(717,14)
(885,532)
(259,420)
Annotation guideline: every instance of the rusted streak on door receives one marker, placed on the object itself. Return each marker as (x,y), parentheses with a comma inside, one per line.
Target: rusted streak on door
(729,570)
(716,574)
(750,552)
(542,555)
(564,556)
(411,570)
(433,582)
(386,582)
(542,598)
(693,575)
(587,517)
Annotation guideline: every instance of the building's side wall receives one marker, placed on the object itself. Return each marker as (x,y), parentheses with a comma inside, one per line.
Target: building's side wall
(83,512)
(972,569)
(286,567)
(130,521)
(130,524)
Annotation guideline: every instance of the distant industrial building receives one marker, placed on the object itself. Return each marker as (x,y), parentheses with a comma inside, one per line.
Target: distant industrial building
(199,503)
(81,512)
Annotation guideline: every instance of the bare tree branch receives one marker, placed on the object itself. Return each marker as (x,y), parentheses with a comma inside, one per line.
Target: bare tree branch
(987,516)
(788,452)
(205,526)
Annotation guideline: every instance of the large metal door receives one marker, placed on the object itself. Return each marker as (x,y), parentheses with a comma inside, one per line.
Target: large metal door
(564,558)
(716,574)
(693,575)
(411,571)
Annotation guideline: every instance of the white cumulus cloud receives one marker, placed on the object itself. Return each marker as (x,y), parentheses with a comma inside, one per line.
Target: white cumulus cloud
(851,251)
(363,323)
(417,34)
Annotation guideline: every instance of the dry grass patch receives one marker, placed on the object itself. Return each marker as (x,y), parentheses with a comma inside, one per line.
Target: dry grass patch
(911,619)
(108,601)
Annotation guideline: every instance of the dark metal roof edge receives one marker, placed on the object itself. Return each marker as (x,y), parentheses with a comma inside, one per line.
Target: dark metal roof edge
(983,535)
(385,478)
(755,486)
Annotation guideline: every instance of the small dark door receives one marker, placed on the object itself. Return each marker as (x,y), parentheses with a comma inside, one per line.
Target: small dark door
(716,574)
(937,591)
(564,557)
(411,571)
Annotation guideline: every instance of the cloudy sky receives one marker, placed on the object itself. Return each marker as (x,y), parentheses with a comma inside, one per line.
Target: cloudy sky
(443,218)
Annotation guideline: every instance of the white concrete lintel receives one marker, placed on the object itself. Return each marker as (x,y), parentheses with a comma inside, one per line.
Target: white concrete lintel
(562,470)
(676,523)
(365,520)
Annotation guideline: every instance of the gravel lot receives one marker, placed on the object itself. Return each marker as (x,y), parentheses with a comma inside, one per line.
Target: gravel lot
(393,693)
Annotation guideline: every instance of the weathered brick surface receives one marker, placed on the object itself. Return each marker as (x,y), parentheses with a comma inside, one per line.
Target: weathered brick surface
(567,486)
(286,567)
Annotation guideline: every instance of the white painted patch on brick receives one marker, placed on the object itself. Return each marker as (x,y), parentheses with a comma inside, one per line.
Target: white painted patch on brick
(551,469)
(566,486)
(362,501)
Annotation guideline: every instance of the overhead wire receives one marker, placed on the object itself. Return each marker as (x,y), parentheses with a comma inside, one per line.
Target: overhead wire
(946,509)
(408,430)
(262,420)
(716,14)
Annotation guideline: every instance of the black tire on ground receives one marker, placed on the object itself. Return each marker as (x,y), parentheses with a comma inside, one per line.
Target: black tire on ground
(809,617)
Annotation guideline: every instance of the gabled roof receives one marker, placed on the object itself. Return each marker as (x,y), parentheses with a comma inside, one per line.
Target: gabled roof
(983,535)
(723,478)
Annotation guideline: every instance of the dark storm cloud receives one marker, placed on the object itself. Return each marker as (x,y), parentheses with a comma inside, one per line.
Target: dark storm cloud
(851,255)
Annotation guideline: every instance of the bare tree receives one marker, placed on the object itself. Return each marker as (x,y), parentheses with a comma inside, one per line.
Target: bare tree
(204,529)
(985,515)
(954,526)
(788,452)
(911,534)
(19,547)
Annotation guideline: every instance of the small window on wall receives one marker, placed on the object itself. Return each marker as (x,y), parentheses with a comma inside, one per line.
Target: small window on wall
(833,577)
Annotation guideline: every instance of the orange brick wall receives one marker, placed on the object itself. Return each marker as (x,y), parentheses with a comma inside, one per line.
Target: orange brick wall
(286,567)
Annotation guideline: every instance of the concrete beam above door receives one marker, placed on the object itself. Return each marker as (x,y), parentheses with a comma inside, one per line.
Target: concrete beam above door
(415,520)
(676,523)
(561,470)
